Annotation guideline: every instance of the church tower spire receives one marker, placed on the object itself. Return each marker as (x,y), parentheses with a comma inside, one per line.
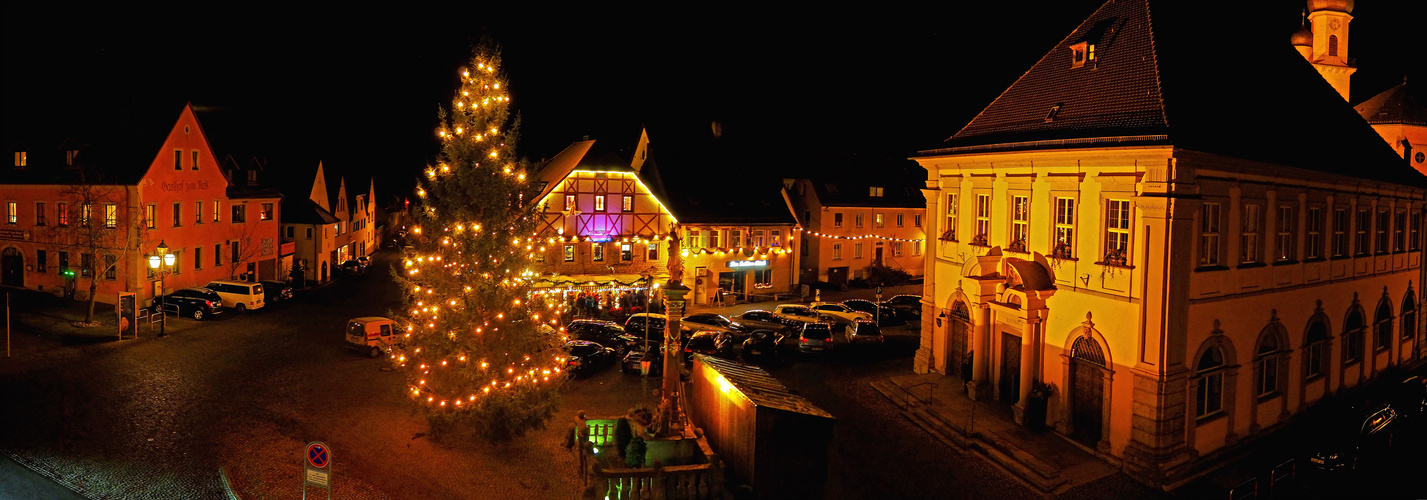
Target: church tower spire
(1329,19)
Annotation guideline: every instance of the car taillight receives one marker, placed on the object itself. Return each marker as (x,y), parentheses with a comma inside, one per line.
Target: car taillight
(208,303)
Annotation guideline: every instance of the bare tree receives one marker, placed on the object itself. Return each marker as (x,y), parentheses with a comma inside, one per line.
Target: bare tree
(247,240)
(96,222)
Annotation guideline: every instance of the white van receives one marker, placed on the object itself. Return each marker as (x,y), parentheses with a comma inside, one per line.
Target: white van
(238,295)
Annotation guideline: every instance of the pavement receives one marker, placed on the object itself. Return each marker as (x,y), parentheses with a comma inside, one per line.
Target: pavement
(1043,461)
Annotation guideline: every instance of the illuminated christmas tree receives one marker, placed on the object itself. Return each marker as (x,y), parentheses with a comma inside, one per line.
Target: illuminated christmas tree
(480,359)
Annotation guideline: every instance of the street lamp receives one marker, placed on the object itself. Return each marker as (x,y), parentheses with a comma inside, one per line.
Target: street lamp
(162,264)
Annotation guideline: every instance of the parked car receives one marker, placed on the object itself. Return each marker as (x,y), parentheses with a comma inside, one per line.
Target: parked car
(604,333)
(633,360)
(240,296)
(655,322)
(364,261)
(710,343)
(1343,450)
(759,319)
(815,337)
(276,291)
(196,303)
(350,266)
(840,313)
(372,335)
(763,344)
(587,358)
(1411,400)
(864,333)
(799,314)
(885,315)
(712,322)
(910,306)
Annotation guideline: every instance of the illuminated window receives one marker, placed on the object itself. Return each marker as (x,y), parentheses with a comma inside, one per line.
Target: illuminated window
(1313,240)
(599,203)
(85,212)
(735,238)
(695,240)
(949,230)
(1020,222)
(69,156)
(598,252)
(1117,232)
(20,158)
(569,253)
(983,219)
(628,205)
(12,215)
(875,192)
(713,237)
(267,213)
(217,212)
(626,253)
(653,251)
(774,239)
(1249,244)
(62,213)
(570,203)
(758,240)
(111,216)
(1064,228)
(880,220)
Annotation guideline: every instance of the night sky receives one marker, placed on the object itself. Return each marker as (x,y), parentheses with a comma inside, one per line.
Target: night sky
(359,83)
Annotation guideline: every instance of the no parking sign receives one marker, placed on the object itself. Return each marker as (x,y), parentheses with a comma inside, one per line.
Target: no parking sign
(317,468)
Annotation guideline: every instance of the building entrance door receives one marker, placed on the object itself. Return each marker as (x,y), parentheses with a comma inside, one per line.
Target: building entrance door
(877,256)
(1010,380)
(12,267)
(1087,385)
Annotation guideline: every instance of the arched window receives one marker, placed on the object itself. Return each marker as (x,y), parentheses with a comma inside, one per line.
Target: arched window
(1409,316)
(1333,45)
(1268,362)
(1316,352)
(1382,325)
(1209,384)
(1353,336)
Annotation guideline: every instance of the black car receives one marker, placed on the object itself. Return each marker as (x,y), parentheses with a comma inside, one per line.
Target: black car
(350,266)
(196,303)
(634,359)
(710,343)
(636,325)
(759,319)
(604,333)
(712,322)
(1364,435)
(587,358)
(763,344)
(364,261)
(909,306)
(276,291)
(886,315)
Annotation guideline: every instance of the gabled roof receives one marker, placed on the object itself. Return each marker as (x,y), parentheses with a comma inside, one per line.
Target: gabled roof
(586,155)
(762,389)
(1178,73)
(299,210)
(1400,105)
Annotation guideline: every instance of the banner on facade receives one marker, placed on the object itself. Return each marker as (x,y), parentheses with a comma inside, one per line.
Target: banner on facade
(128,315)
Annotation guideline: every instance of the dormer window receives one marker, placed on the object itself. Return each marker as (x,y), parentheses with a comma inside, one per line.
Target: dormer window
(20,158)
(1054,110)
(1081,54)
(875,192)
(69,156)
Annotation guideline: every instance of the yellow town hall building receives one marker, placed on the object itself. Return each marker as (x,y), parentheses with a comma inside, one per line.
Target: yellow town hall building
(1182,235)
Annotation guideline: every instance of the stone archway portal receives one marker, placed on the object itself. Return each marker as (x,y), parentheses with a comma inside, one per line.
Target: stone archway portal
(1087,390)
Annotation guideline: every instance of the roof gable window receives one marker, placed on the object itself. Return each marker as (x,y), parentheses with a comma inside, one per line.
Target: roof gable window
(1082,54)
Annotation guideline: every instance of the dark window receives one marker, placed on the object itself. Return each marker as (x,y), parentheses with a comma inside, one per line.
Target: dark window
(1353,337)
(178,160)
(218,255)
(195,161)
(240,213)
(1316,354)
(198,257)
(1382,325)
(1209,384)
(40,214)
(177,214)
(86,264)
(1409,315)
(236,255)
(63,261)
(111,267)
(40,263)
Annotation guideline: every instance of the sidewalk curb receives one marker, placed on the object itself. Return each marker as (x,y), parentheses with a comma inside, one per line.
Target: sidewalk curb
(227,486)
(24,462)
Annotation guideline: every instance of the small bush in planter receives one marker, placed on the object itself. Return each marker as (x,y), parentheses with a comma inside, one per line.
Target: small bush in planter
(622,434)
(634,454)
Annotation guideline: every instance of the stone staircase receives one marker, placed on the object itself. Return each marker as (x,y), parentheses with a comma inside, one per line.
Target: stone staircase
(942,420)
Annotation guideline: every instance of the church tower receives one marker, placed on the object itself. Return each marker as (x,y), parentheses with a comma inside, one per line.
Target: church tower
(1329,48)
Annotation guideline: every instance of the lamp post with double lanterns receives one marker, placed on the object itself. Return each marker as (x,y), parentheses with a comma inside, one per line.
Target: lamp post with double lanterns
(162,264)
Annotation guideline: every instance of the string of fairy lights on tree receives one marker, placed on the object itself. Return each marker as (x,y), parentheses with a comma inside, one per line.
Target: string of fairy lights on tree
(473,331)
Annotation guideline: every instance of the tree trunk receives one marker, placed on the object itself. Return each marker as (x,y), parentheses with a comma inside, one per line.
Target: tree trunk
(93,287)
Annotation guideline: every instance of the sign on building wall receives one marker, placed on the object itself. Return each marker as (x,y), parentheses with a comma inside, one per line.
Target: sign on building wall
(747,264)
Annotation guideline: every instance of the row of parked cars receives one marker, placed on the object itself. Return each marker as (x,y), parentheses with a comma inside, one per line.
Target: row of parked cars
(211,299)
(597,344)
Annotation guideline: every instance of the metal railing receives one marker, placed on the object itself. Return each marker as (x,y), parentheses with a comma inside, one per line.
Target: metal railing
(931,391)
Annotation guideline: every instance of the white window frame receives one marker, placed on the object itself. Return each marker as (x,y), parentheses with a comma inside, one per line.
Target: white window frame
(1210,233)
(1249,250)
